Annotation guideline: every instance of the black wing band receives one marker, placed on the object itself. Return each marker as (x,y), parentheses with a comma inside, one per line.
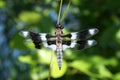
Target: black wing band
(51,42)
(39,38)
(35,38)
(66,42)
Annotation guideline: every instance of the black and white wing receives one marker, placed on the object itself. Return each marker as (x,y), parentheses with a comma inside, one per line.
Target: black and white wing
(40,39)
(80,39)
(81,44)
(82,35)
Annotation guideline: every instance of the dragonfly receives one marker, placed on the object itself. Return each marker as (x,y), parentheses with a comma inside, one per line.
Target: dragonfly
(60,42)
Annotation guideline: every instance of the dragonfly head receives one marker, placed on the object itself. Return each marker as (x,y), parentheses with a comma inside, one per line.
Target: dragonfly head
(59,26)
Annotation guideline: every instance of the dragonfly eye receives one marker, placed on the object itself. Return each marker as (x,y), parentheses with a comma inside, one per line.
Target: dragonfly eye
(59,26)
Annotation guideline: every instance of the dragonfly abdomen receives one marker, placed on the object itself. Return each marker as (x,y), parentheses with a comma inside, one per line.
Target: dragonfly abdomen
(59,57)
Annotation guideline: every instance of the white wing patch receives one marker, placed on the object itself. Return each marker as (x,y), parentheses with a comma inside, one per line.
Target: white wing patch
(45,44)
(53,47)
(91,42)
(43,36)
(73,43)
(24,33)
(74,35)
(93,31)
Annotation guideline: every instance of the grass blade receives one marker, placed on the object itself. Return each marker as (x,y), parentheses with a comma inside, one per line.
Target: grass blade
(65,12)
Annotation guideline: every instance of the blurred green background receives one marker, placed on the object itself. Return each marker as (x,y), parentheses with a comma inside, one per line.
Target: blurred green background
(19,60)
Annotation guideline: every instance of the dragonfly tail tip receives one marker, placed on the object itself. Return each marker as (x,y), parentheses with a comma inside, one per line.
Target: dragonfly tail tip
(59,68)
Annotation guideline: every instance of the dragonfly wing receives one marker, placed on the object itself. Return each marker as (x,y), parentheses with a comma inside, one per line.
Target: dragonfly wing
(85,34)
(50,44)
(69,44)
(82,35)
(37,38)
(81,44)
(26,35)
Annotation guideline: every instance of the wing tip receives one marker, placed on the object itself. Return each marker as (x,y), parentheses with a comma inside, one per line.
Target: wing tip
(91,42)
(93,31)
(24,33)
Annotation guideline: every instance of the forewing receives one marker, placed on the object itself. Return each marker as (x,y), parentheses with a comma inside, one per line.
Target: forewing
(37,38)
(28,35)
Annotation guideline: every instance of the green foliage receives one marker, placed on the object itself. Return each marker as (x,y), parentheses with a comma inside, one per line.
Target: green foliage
(19,60)
(2,4)
(29,17)
(15,40)
(81,65)
(56,73)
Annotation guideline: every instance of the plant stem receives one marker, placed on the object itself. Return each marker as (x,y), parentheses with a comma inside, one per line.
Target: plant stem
(51,60)
(65,11)
(58,22)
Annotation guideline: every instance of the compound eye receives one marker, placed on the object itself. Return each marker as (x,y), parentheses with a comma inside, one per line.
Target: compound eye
(59,26)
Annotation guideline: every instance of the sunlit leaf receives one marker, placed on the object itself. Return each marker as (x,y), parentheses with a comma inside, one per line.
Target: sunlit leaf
(76,2)
(2,4)
(26,59)
(44,56)
(39,75)
(55,72)
(68,54)
(29,17)
(81,65)
(30,45)
(104,72)
(113,62)
(117,76)
(98,60)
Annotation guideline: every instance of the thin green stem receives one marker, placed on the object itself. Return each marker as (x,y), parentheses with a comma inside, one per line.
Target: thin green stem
(51,61)
(58,22)
(65,11)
